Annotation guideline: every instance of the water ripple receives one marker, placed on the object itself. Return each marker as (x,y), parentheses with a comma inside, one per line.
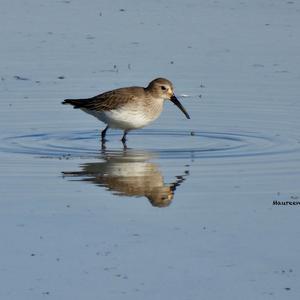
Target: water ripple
(165,143)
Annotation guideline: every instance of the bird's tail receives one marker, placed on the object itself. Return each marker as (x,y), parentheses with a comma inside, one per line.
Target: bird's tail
(77,103)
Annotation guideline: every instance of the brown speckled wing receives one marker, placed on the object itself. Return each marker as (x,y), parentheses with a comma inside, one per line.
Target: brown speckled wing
(108,100)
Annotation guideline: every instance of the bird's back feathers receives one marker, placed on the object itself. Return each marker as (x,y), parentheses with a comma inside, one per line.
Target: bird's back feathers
(108,100)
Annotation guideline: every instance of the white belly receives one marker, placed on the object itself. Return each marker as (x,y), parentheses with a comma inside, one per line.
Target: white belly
(122,118)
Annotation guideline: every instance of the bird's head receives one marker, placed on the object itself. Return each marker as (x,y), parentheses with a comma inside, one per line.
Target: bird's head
(163,88)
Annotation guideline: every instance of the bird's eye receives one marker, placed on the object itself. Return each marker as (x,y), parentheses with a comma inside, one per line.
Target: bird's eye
(163,88)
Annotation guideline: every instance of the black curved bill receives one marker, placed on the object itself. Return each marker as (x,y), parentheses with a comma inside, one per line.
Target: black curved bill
(178,104)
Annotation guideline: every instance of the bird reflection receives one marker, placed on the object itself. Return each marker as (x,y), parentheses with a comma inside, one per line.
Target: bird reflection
(130,173)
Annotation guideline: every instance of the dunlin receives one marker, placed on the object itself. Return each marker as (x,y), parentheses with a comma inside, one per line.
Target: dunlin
(129,108)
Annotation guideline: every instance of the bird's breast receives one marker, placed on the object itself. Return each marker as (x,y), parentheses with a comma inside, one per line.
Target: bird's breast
(131,116)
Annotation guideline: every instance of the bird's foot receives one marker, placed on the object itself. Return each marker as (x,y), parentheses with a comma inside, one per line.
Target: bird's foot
(123,140)
(103,144)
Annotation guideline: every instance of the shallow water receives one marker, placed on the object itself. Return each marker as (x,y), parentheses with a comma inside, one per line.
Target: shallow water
(186,211)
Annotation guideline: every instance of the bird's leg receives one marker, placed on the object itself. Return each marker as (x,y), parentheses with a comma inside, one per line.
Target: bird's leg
(103,147)
(124,138)
(103,134)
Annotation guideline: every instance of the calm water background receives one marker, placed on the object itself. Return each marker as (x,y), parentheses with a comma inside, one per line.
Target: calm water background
(203,224)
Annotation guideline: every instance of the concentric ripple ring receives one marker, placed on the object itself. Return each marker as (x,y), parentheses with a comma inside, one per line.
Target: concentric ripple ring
(184,144)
